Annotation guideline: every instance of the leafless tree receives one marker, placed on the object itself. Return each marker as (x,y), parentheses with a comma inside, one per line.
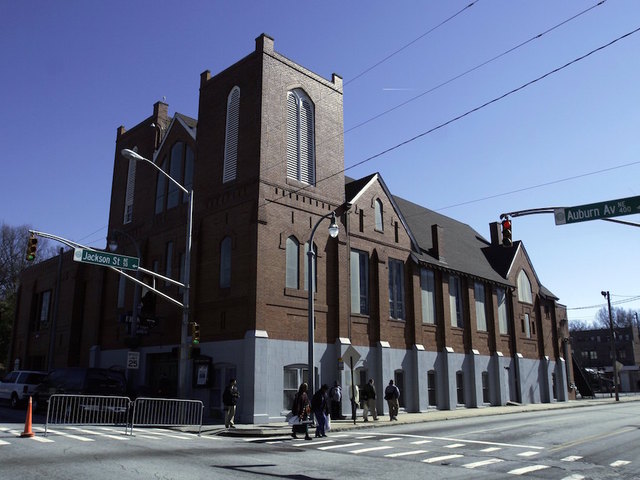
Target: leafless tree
(620,317)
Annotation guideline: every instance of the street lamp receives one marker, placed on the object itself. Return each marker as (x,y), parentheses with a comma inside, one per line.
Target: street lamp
(182,365)
(333,231)
(613,346)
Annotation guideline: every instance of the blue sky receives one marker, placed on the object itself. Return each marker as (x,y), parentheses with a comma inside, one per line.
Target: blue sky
(73,71)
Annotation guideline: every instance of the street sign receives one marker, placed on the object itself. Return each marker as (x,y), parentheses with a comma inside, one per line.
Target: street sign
(105,259)
(133,360)
(596,211)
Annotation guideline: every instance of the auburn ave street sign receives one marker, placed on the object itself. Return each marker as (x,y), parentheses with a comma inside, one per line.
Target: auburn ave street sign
(105,259)
(596,211)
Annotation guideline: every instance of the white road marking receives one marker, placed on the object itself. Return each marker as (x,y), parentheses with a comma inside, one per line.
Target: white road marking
(17,433)
(68,435)
(392,439)
(371,449)
(528,454)
(529,469)
(482,463)
(620,463)
(441,458)
(2,442)
(101,434)
(571,458)
(454,445)
(491,449)
(421,442)
(575,476)
(340,445)
(311,444)
(404,454)
(364,438)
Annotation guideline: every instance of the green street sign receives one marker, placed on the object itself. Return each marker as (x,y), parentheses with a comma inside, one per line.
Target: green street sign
(105,259)
(596,211)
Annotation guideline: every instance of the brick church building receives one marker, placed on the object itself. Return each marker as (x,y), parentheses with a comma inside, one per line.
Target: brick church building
(455,319)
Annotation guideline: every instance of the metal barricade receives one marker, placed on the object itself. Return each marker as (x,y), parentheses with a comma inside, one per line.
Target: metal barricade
(166,412)
(87,410)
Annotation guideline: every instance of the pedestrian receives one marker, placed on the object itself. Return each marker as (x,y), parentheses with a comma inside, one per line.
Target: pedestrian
(230,400)
(369,394)
(354,396)
(302,411)
(391,395)
(335,395)
(320,409)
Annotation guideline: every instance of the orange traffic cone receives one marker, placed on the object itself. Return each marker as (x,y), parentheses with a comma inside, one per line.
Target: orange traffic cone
(27,424)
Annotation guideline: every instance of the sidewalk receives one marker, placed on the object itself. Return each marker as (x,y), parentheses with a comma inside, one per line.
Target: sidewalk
(283,428)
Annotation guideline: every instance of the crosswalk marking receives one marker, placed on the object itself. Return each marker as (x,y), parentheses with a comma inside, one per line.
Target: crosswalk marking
(67,435)
(454,445)
(158,432)
(620,463)
(571,458)
(101,434)
(35,438)
(313,444)
(528,454)
(491,449)
(370,449)
(575,476)
(421,442)
(404,454)
(482,463)
(340,445)
(366,437)
(529,469)
(442,458)
(2,442)
(392,439)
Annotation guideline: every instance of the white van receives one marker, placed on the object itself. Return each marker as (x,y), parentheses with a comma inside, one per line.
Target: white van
(19,385)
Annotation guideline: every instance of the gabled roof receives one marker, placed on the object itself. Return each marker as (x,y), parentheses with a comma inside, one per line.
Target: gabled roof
(187,123)
(464,248)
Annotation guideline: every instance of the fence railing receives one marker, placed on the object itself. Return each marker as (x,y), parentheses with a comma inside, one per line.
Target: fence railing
(65,409)
(87,410)
(166,412)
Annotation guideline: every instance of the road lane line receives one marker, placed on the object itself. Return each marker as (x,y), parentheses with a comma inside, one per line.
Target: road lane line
(392,439)
(101,434)
(491,449)
(571,458)
(340,445)
(620,463)
(420,442)
(371,449)
(575,476)
(482,463)
(455,445)
(528,454)
(441,458)
(529,469)
(404,454)
(67,435)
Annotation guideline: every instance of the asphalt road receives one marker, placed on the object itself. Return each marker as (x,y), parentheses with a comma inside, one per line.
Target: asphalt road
(599,442)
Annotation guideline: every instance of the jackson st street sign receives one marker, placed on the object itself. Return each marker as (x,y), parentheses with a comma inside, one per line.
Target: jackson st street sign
(105,259)
(596,211)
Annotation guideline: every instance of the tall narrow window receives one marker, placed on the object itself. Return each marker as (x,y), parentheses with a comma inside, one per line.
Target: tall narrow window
(168,271)
(300,137)
(460,387)
(503,312)
(225,263)
(526,326)
(128,199)
(231,136)
(359,282)
(314,267)
(481,315)
(175,171)
(524,288)
(396,289)
(161,187)
(432,388)
(293,263)
(485,387)
(455,301)
(45,307)
(379,215)
(428,290)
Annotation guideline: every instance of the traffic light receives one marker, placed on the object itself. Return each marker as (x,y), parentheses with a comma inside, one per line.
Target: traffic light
(195,333)
(32,244)
(506,233)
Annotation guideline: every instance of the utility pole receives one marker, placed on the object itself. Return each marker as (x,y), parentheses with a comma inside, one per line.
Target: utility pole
(613,345)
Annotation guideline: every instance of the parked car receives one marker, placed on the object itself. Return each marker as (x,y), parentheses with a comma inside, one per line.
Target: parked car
(80,381)
(19,385)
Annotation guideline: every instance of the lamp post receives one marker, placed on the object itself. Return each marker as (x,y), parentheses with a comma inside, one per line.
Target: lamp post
(182,365)
(613,346)
(333,231)
(112,244)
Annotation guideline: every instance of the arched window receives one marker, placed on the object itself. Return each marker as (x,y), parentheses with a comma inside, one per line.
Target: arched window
(524,288)
(301,164)
(379,217)
(225,263)
(293,263)
(161,186)
(231,136)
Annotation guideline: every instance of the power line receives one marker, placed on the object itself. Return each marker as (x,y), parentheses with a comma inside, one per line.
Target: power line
(486,62)
(466,114)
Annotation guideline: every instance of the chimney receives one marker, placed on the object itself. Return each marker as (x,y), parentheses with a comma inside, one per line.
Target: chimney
(437,236)
(264,43)
(496,234)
